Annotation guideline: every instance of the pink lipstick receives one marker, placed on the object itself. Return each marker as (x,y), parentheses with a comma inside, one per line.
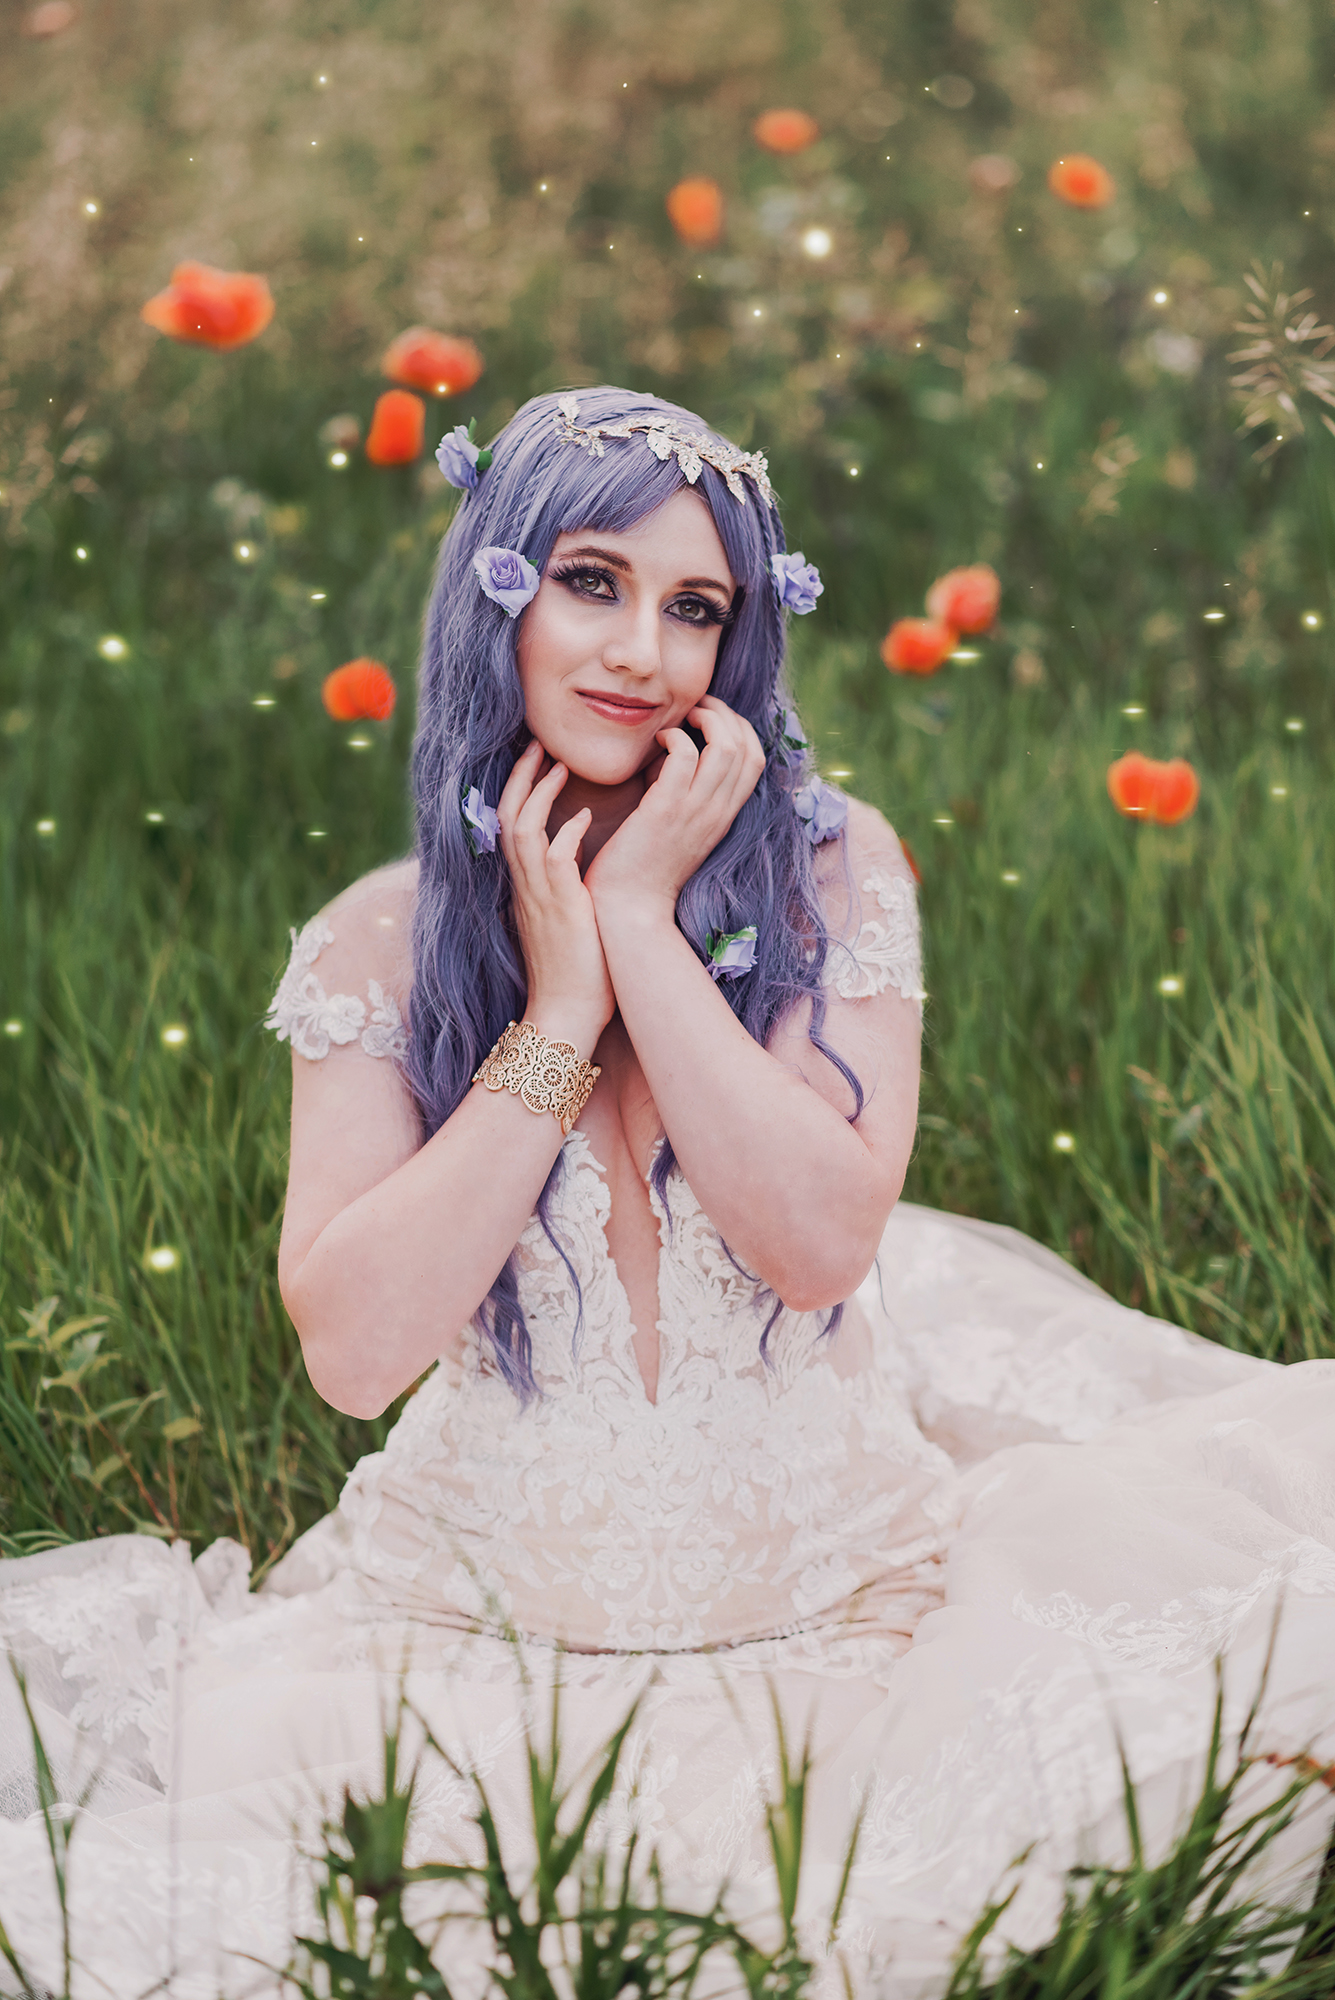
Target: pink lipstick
(617,707)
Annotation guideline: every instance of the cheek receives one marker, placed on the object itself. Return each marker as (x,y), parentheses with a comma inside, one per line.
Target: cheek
(692,668)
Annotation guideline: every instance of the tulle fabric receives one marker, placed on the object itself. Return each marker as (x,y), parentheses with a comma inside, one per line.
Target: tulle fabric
(1113,1504)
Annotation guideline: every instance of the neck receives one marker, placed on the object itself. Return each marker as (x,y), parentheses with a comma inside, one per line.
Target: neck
(610,805)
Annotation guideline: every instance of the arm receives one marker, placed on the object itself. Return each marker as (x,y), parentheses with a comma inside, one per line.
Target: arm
(390,1245)
(800,1196)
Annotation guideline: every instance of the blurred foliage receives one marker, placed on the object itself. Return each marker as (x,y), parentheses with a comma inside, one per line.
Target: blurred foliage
(969,370)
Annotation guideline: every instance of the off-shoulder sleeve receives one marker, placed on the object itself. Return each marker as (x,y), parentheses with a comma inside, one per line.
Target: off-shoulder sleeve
(875,937)
(315,1021)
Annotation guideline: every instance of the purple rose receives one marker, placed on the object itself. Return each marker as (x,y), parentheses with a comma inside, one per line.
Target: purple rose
(730,957)
(457,458)
(824,810)
(481,820)
(797,582)
(791,745)
(507,578)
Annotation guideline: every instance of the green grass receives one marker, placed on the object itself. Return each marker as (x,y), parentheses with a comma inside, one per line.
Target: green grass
(953,383)
(1203,1119)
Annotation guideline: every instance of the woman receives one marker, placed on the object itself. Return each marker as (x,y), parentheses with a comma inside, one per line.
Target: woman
(601,1106)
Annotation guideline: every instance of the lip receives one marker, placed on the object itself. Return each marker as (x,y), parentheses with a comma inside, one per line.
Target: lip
(616,708)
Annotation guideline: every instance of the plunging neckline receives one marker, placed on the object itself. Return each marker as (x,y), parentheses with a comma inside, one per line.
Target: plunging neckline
(625,1355)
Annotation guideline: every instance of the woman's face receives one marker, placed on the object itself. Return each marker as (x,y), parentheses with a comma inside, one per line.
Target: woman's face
(621,639)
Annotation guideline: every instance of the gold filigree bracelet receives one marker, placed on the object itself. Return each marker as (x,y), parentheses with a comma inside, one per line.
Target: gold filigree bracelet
(546,1075)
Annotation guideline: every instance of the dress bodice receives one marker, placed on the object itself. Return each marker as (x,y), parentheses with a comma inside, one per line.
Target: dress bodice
(757,1497)
(761,1496)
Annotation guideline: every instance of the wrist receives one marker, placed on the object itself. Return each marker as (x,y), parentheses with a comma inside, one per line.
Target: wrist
(563,1020)
(632,907)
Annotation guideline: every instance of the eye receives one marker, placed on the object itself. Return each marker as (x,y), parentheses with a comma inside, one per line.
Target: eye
(586,580)
(696,611)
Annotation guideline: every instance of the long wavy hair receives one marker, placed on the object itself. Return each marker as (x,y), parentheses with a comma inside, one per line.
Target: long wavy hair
(468,971)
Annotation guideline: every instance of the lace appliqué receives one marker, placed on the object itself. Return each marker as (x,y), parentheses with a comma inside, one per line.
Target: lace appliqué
(887,951)
(314,1021)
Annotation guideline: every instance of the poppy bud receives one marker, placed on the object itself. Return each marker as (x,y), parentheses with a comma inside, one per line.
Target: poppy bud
(361,691)
(695,210)
(1081,181)
(397,429)
(917,645)
(966,599)
(786,131)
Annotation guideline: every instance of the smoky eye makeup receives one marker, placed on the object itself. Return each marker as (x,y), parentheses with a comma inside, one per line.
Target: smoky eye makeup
(592,581)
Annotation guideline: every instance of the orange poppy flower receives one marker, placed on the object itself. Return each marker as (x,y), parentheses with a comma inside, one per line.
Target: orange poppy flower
(435,363)
(1081,181)
(397,428)
(361,691)
(914,869)
(917,645)
(786,131)
(966,599)
(1177,793)
(695,210)
(1145,788)
(211,308)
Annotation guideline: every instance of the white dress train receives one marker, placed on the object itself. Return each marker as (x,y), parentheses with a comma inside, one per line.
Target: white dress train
(994,1525)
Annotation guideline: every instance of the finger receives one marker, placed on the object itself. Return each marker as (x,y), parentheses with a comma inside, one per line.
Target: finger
(527,768)
(563,850)
(523,851)
(723,751)
(680,758)
(536,810)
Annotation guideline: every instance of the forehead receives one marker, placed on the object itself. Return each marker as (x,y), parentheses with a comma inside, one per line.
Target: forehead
(678,537)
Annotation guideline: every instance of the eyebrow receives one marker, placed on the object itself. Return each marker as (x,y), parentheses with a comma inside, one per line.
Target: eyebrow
(591,550)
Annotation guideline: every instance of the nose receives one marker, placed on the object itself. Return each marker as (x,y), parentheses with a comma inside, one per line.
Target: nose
(633,646)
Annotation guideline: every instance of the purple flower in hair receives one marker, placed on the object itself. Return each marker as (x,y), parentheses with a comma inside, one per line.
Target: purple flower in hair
(824,810)
(797,582)
(790,739)
(481,820)
(730,957)
(457,457)
(507,578)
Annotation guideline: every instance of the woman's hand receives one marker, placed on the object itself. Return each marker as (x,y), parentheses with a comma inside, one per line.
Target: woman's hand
(693,797)
(569,992)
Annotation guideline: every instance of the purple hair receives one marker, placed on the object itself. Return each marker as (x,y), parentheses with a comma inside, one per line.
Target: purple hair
(468,970)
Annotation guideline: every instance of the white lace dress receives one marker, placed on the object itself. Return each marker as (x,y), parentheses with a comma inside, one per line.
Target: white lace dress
(996,1520)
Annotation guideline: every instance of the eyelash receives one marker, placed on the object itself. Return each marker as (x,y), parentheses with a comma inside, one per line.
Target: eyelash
(570,571)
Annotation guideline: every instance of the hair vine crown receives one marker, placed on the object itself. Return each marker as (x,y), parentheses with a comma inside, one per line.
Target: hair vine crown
(666,438)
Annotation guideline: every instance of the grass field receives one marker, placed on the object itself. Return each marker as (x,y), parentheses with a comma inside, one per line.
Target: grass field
(1130,1039)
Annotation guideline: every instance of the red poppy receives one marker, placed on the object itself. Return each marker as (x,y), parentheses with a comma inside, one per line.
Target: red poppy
(1144,788)
(435,363)
(914,869)
(1081,181)
(397,428)
(966,599)
(361,691)
(917,645)
(211,308)
(1179,789)
(786,131)
(695,210)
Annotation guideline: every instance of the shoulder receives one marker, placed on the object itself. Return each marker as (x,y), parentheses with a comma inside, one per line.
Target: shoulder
(350,972)
(870,907)
(373,917)
(868,846)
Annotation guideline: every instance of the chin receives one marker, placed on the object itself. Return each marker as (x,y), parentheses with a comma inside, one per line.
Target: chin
(605,763)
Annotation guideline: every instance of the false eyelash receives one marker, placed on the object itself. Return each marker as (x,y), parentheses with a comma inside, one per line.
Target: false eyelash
(713,615)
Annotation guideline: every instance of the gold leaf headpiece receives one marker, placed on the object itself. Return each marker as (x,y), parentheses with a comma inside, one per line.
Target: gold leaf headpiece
(666,438)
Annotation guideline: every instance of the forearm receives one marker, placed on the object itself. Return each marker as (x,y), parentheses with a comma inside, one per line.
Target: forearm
(786,1180)
(389,1283)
